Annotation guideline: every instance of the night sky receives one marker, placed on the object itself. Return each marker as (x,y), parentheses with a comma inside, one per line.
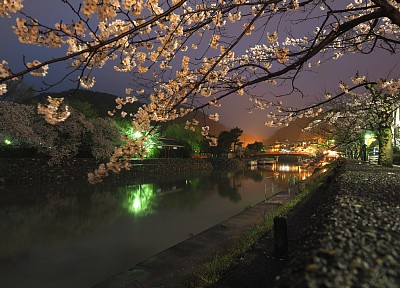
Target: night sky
(313,84)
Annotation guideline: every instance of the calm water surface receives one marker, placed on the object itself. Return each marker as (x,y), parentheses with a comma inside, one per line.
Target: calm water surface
(53,240)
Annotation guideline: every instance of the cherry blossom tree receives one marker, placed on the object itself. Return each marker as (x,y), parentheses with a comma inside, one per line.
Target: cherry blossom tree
(188,55)
(349,114)
(16,122)
(22,127)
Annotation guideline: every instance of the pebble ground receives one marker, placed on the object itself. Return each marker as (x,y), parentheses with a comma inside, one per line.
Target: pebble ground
(355,239)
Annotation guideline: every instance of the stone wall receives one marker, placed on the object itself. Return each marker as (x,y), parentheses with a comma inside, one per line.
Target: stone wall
(28,170)
(36,170)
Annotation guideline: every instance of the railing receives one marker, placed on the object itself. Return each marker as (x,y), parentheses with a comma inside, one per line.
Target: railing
(274,188)
(271,188)
(295,186)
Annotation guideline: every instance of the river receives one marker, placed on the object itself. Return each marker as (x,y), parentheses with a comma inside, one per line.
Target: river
(65,237)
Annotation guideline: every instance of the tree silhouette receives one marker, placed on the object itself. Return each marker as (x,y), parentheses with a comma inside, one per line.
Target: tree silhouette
(228,138)
(256,146)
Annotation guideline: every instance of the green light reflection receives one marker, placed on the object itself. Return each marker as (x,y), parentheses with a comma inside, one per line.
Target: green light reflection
(141,199)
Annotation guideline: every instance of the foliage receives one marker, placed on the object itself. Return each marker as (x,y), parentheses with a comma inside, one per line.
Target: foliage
(225,141)
(24,128)
(104,137)
(205,147)
(236,133)
(16,122)
(256,147)
(84,107)
(241,43)
(150,142)
(179,132)
(228,138)
(349,114)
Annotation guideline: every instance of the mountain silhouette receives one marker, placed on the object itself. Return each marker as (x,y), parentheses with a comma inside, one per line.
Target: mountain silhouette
(104,102)
(291,133)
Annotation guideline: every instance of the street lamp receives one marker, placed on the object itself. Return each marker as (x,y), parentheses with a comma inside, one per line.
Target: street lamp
(367,137)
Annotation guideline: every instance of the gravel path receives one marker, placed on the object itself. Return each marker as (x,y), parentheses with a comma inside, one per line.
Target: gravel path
(355,239)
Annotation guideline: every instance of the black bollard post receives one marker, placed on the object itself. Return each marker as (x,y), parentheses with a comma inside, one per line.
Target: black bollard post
(280,236)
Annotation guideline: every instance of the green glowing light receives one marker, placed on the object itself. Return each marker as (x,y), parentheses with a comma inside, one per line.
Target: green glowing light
(150,144)
(137,134)
(137,205)
(368,137)
(8,142)
(141,199)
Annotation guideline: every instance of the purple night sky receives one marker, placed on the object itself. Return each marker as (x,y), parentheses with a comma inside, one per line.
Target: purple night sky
(313,84)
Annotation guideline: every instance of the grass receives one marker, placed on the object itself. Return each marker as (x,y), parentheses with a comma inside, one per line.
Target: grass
(248,206)
(210,272)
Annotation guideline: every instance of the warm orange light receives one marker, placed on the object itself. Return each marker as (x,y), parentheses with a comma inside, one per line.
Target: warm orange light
(331,154)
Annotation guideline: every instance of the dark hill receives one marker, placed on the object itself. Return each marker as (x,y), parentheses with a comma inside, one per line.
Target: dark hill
(215,127)
(104,102)
(101,102)
(293,132)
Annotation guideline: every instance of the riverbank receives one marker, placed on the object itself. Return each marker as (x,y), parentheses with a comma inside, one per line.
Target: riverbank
(342,235)
(199,260)
(354,239)
(36,170)
(351,237)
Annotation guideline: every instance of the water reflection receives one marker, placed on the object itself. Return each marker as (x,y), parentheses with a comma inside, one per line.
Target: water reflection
(102,232)
(228,185)
(141,199)
(302,173)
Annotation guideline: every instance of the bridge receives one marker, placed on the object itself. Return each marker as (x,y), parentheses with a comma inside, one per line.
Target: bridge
(284,157)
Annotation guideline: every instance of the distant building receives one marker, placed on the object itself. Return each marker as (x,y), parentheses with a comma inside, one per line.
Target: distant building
(172,148)
(309,146)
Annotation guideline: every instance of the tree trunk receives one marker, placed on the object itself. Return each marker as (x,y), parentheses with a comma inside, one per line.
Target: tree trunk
(385,147)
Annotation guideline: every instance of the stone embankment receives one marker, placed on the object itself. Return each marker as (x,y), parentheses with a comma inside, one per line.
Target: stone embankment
(29,170)
(354,237)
